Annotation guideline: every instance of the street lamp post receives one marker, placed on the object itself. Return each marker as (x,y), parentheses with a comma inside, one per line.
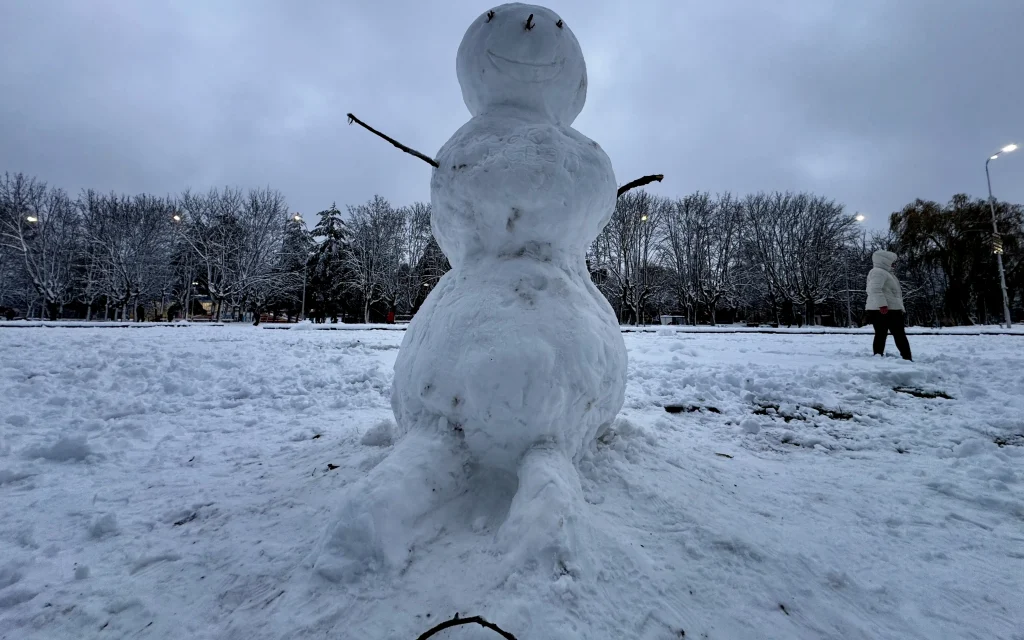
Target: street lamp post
(997,247)
(860,217)
(305,268)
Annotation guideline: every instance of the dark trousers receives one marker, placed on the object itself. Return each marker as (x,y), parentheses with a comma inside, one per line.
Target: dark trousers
(885,324)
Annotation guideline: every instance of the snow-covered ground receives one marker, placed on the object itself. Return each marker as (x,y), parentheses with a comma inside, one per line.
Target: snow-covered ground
(172,483)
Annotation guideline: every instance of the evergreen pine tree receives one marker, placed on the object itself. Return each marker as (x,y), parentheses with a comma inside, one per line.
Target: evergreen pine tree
(327,277)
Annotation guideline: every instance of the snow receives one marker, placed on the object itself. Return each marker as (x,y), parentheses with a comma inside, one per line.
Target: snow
(207,491)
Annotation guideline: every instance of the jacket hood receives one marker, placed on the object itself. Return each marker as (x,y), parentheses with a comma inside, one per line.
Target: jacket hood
(883,259)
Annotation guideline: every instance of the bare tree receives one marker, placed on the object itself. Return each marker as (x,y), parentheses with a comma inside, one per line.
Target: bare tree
(375,254)
(41,225)
(416,237)
(209,223)
(185,265)
(685,233)
(625,252)
(92,271)
(133,240)
(257,268)
(718,252)
(13,281)
(799,240)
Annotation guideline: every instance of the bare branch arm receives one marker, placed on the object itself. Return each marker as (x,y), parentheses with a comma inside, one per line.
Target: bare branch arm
(457,621)
(639,182)
(430,161)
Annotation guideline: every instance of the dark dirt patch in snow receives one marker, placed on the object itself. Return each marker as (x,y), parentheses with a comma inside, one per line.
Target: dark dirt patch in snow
(1015,440)
(774,410)
(921,393)
(690,408)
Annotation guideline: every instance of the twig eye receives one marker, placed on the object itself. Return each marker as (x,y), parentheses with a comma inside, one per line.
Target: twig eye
(529,23)
(559,24)
(490,15)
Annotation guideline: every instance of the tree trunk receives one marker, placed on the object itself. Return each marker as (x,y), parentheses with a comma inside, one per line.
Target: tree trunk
(810,312)
(366,311)
(88,312)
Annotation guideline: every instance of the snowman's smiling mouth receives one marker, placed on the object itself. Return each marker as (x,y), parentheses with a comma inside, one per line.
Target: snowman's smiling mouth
(526,71)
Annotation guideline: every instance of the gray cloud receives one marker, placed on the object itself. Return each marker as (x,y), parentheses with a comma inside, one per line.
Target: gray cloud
(873,103)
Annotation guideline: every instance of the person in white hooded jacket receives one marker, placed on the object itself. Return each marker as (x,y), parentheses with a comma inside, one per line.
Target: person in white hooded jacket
(885,304)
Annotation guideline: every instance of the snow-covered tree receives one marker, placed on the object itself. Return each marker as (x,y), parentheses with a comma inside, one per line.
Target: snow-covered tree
(626,253)
(209,224)
(296,254)
(258,272)
(376,253)
(41,226)
(327,282)
(129,255)
(417,237)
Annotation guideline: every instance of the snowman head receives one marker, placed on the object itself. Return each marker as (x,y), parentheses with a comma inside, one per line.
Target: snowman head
(524,56)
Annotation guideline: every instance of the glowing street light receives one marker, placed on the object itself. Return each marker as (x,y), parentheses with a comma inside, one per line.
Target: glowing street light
(32,219)
(860,217)
(176,218)
(997,244)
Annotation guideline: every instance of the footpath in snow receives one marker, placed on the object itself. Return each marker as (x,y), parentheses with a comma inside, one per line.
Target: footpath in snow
(172,483)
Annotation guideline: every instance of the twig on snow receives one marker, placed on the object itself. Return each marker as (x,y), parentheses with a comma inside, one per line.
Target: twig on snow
(456,621)
(428,160)
(639,182)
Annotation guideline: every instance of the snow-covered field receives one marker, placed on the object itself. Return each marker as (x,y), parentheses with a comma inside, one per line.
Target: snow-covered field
(172,483)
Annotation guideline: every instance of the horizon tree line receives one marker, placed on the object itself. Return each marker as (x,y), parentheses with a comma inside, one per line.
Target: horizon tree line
(774,257)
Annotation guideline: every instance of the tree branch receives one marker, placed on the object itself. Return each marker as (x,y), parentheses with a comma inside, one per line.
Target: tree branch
(639,182)
(456,621)
(430,161)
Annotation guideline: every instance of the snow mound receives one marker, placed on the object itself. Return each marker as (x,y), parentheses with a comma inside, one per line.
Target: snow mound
(103,527)
(7,476)
(66,449)
(381,434)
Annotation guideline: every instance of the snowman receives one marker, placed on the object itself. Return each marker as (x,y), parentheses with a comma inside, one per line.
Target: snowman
(515,362)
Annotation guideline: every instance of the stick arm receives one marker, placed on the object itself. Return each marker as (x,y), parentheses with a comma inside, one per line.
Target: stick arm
(427,159)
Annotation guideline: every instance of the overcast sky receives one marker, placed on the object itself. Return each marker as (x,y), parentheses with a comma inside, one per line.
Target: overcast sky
(871,102)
